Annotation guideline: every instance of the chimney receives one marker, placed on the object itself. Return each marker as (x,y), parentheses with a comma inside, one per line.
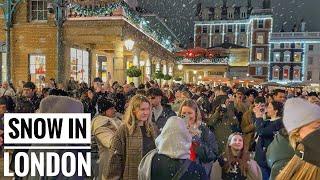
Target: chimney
(224,3)
(302,26)
(249,3)
(266,4)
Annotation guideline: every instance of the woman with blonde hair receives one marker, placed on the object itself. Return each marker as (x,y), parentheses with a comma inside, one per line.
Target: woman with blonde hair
(133,140)
(302,121)
(204,148)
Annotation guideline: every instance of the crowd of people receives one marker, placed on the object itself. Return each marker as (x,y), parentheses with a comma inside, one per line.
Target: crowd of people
(186,131)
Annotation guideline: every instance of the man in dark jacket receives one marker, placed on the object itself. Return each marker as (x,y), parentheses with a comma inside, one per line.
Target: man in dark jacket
(160,114)
(28,98)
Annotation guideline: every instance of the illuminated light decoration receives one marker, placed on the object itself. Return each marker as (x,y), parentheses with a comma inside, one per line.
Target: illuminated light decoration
(130,17)
(180,67)
(210,36)
(194,72)
(129,44)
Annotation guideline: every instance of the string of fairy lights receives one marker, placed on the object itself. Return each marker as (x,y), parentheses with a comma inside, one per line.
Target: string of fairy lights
(78,10)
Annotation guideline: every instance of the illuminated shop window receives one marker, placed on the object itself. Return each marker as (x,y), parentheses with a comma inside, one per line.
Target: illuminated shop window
(286,72)
(275,72)
(297,57)
(37,69)
(79,65)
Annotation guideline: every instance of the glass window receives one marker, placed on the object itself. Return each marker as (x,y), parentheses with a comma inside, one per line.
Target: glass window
(37,69)
(80,65)
(297,57)
(276,46)
(259,71)
(287,45)
(296,73)
(276,56)
(39,11)
(298,45)
(260,24)
(260,54)
(309,76)
(242,28)
(310,47)
(286,57)
(230,28)
(275,72)
(260,38)
(4,67)
(204,29)
(286,72)
(216,29)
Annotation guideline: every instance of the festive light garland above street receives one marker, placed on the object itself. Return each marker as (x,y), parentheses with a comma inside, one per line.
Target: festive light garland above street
(130,14)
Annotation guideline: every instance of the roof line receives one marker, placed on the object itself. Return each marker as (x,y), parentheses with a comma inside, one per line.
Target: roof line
(163,23)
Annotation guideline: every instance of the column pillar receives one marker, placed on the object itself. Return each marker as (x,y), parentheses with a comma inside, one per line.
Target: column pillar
(119,64)
(164,67)
(187,77)
(136,62)
(205,74)
(148,68)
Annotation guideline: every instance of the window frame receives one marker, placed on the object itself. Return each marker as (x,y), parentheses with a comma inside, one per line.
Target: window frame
(293,74)
(33,67)
(262,54)
(283,72)
(274,56)
(274,69)
(285,55)
(38,11)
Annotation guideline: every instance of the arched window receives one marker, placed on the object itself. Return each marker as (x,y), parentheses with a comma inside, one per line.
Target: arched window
(275,72)
(296,73)
(287,56)
(230,13)
(286,73)
(243,12)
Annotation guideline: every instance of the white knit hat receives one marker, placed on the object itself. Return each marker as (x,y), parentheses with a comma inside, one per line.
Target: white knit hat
(299,112)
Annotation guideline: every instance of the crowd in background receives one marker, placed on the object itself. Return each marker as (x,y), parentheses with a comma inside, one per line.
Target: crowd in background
(186,131)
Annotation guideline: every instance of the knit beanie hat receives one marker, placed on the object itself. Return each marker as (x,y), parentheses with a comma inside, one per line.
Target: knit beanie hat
(60,104)
(299,112)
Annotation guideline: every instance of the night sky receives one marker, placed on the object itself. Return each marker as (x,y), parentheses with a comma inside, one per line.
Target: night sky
(180,14)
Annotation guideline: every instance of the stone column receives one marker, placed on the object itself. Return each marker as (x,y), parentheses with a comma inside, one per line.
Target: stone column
(119,64)
(148,68)
(164,67)
(205,74)
(136,62)
(187,76)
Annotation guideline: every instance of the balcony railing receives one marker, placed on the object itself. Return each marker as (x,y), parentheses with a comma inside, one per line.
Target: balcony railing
(218,61)
(295,35)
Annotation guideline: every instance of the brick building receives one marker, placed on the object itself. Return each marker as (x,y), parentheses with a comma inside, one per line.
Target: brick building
(93,40)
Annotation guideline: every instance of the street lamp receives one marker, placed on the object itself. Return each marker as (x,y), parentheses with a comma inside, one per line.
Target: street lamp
(129,44)
(180,67)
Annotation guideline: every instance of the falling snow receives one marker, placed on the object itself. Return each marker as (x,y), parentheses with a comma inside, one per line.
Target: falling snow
(180,14)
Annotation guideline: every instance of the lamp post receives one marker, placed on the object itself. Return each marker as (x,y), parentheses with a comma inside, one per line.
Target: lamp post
(9,8)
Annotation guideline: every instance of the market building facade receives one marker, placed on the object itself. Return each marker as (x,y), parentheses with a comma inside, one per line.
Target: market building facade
(83,40)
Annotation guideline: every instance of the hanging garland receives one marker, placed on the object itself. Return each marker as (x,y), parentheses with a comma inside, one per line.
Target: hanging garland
(131,15)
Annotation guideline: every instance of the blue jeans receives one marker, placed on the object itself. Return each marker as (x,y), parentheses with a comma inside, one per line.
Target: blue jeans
(265,173)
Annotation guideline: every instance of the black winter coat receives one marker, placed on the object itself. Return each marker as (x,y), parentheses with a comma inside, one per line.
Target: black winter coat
(163,167)
(265,131)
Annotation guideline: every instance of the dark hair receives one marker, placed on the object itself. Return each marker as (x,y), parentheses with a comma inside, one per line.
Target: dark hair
(277,91)
(259,99)
(141,86)
(224,89)
(313,94)
(278,106)
(252,92)
(104,104)
(154,92)
(97,79)
(141,92)
(30,85)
